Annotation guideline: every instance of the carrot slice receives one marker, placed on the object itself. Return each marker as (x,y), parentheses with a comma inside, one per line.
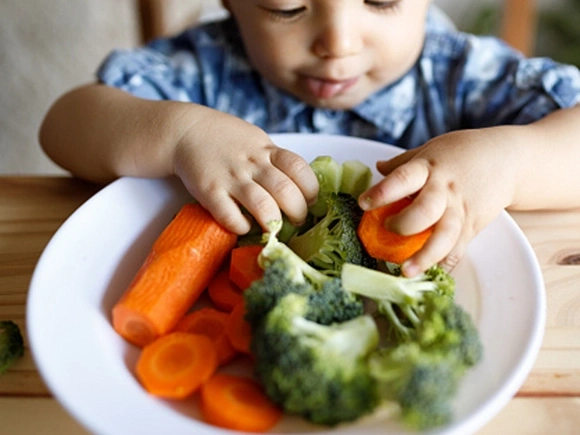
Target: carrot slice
(223,292)
(211,323)
(175,365)
(244,267)
(179,266)
(238,329)
(386,245)
(238,403)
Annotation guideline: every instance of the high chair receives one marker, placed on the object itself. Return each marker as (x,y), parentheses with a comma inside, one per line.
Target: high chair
(518,20)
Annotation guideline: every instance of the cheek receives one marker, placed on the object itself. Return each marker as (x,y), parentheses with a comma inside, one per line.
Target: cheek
(271,58)
(395,58)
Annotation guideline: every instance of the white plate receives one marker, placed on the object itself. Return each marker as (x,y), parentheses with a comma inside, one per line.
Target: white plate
(91,259)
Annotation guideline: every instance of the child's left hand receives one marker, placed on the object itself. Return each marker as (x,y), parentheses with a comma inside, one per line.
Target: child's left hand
(461,181)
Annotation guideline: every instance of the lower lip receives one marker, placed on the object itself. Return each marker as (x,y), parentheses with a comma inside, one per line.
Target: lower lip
(325,89)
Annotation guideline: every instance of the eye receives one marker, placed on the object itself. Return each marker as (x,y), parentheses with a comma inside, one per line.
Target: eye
(384,5)
(285,14)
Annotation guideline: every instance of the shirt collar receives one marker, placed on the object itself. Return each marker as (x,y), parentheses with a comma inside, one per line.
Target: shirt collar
(392,108)
(282,106)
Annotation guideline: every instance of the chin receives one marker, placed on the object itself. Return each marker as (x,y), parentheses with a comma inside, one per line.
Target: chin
(341,102)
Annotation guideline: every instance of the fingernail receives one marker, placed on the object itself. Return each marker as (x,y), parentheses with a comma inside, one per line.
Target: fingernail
(365,202)
(410,269)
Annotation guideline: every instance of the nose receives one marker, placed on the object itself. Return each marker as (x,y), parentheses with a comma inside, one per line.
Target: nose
(338,36)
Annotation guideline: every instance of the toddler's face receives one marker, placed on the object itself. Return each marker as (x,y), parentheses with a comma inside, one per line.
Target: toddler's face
(331,53)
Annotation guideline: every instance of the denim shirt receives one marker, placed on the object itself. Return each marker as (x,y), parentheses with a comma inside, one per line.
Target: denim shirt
(459,81)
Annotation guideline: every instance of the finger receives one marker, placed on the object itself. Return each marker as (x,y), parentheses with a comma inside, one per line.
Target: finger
(402,181)
(385,167)
(425,211)
(258,202)
(284,192)
(226,211)
(298,171)
(444,245)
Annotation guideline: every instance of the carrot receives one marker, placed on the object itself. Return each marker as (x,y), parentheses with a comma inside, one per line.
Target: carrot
(238,330)
(175,365)
(244,267)
(386,245)
(211,323)
(179,266)
(238,403)
(223,292)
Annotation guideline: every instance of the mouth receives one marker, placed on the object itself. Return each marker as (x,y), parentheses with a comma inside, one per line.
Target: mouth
(325,89)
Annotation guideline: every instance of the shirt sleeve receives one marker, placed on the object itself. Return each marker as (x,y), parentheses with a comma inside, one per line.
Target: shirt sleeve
(500,86)
(187,67)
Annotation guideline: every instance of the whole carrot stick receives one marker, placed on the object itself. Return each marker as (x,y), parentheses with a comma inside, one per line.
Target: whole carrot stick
(179,266)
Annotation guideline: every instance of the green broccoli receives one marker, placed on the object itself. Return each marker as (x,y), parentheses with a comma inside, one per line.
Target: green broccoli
(447,327)
(435,343)
(333,240)
(398,298)
(11,344)
(285,272)
(352,177)
(316,371)
(422,382)
(356,177)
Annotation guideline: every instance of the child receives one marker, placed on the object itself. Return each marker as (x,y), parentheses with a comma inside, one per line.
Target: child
(485,128)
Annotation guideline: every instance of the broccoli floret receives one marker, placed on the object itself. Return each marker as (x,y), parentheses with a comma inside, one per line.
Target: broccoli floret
(447,327)
(398,298)
(285,272)
(11,344)
(333,240)
(316,371)
(435,343)
(422,382)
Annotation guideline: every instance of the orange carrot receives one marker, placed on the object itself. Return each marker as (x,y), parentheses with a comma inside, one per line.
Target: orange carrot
(244,267)
(238,403)
(182,261)
(238,330)
(211,323)
(175,365)
(386,245)
(223,292)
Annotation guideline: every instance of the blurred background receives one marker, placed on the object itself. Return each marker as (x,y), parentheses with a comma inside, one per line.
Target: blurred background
(50,46)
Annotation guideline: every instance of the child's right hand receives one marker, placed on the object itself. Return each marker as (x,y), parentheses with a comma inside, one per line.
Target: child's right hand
(227,163)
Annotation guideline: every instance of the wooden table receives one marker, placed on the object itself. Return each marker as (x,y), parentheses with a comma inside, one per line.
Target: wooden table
(33,208)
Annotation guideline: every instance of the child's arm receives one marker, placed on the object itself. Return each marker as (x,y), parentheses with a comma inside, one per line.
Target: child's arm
(100,133)
(465,178)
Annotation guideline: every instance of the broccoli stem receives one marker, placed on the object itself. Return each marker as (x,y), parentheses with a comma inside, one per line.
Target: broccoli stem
(274,249)
(347,340)
(378,285)
(356,177)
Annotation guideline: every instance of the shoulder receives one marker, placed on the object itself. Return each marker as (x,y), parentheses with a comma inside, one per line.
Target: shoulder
(190,66)
(490,80)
